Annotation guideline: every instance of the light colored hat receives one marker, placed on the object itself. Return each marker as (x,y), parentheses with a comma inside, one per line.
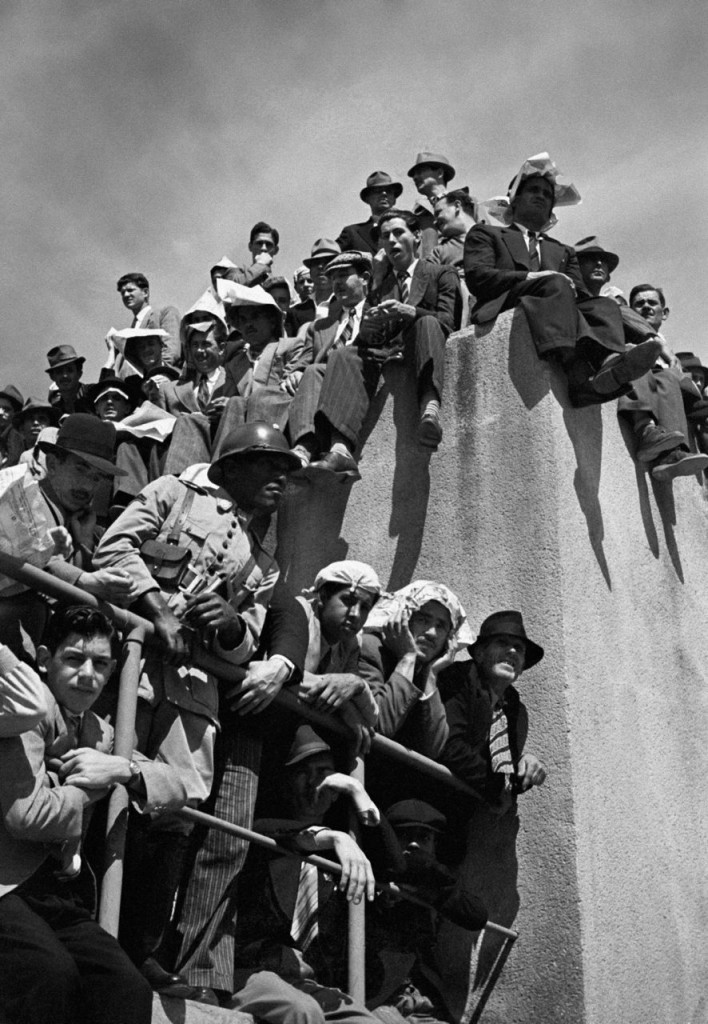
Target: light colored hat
(322,247)
(233,294)
(356,575)
(125,340)
(434,158)
(542,166)
(348,258)
(412,598)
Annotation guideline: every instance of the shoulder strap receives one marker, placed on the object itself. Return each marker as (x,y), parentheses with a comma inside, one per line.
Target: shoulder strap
(176,531)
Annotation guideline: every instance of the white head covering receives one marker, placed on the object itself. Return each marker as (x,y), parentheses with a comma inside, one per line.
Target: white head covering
(541,164)
(412,598)
(356,575)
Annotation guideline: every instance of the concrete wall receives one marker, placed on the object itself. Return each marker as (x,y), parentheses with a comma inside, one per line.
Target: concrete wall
(534,505)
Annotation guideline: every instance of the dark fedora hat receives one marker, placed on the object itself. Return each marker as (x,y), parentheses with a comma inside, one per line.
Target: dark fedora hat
(34,405)
(61,355)
(509,623)
(90,439)
(13,396)
(377,180)
(249,439)
(434,158)
(590,246)
(689,361)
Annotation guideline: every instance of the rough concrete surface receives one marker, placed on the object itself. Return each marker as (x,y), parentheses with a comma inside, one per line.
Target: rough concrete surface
(534,505)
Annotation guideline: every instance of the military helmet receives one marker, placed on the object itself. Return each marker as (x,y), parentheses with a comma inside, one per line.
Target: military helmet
(249,439)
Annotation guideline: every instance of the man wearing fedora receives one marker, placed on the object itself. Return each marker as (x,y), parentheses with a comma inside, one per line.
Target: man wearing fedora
(215,592)
(67,393)
(76,463)
(318,303)
(380,194)
(518,264)
(487,720)
(431,174)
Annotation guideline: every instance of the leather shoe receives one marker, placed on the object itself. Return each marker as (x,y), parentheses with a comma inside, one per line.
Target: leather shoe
(623,367)
(163,981)
(656,441)
(679,463)
(430,430)
(204,995)
(335,462)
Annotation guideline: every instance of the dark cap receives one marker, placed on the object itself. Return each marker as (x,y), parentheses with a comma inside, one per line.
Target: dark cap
(689,361)
(378,180)
(509,623)
(13,396)
(62,355)
(416,813)
(350,257)
(90,439)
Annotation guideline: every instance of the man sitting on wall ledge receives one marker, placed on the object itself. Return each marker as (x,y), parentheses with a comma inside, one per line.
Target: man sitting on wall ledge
(654,408)
(487,721)
(518,264)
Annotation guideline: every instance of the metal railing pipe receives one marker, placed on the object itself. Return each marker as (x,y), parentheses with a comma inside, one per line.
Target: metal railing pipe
(118,804)
(356,915)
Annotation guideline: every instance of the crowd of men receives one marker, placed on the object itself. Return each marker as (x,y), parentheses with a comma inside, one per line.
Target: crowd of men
(156,486)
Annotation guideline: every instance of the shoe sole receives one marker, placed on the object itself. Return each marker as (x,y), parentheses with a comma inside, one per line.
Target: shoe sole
(686,467)
(634,364)
(672,439)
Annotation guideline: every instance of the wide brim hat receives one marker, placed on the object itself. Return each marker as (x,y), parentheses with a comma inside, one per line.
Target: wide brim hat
(591,245)
(689,361)
(249,439)
(123,387)
(378,180)
(88,438)
(305,744)
(126,339)
(538,166)
(31,405)
(62,355)
(434,158)
(13,396)
(509,623)
(322,248)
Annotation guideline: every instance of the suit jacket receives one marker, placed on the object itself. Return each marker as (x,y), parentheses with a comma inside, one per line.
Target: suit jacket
(497,258)
(434,291)
(180,398)
(166,318)
(276,361)
(36,813)
(359,237)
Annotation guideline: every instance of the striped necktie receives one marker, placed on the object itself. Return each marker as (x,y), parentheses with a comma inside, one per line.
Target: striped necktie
(502,762)
(203,393)
(346,336)
(534,258)
(304,927)
(403,285)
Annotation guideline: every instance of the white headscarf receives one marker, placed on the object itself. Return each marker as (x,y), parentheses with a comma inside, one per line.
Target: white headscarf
(412,598)
(356,575)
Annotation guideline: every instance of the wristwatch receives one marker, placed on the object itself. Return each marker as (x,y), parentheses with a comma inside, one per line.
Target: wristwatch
(135,772)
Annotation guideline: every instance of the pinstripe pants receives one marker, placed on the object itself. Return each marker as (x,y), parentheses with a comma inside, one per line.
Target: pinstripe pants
(207,921)
(336,394)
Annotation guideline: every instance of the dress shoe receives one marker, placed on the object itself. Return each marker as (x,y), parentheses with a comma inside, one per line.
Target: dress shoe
(656,441)
(164,982)
(430,430)
(623,367)
(336,462)
(679,463)
(204,995)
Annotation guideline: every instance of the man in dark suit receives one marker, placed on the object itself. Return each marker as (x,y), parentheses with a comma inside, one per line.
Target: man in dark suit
(380,193)
(518,264)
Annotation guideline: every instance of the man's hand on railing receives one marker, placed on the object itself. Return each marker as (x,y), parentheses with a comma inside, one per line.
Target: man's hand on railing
(263,682)
(114,585)
(357,877)
(330,691)
(93,769)
(360,727)
(209,612)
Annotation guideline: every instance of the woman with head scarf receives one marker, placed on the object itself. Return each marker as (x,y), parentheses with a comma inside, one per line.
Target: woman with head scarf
(411,636)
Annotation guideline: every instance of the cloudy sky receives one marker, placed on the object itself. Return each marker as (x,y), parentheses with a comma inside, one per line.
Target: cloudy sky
(151,135)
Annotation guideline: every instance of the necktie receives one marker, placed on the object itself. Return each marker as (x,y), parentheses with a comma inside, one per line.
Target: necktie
(499,746)
(203,393)
(534,258)
(346,336)
(304,928)
(403,285)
